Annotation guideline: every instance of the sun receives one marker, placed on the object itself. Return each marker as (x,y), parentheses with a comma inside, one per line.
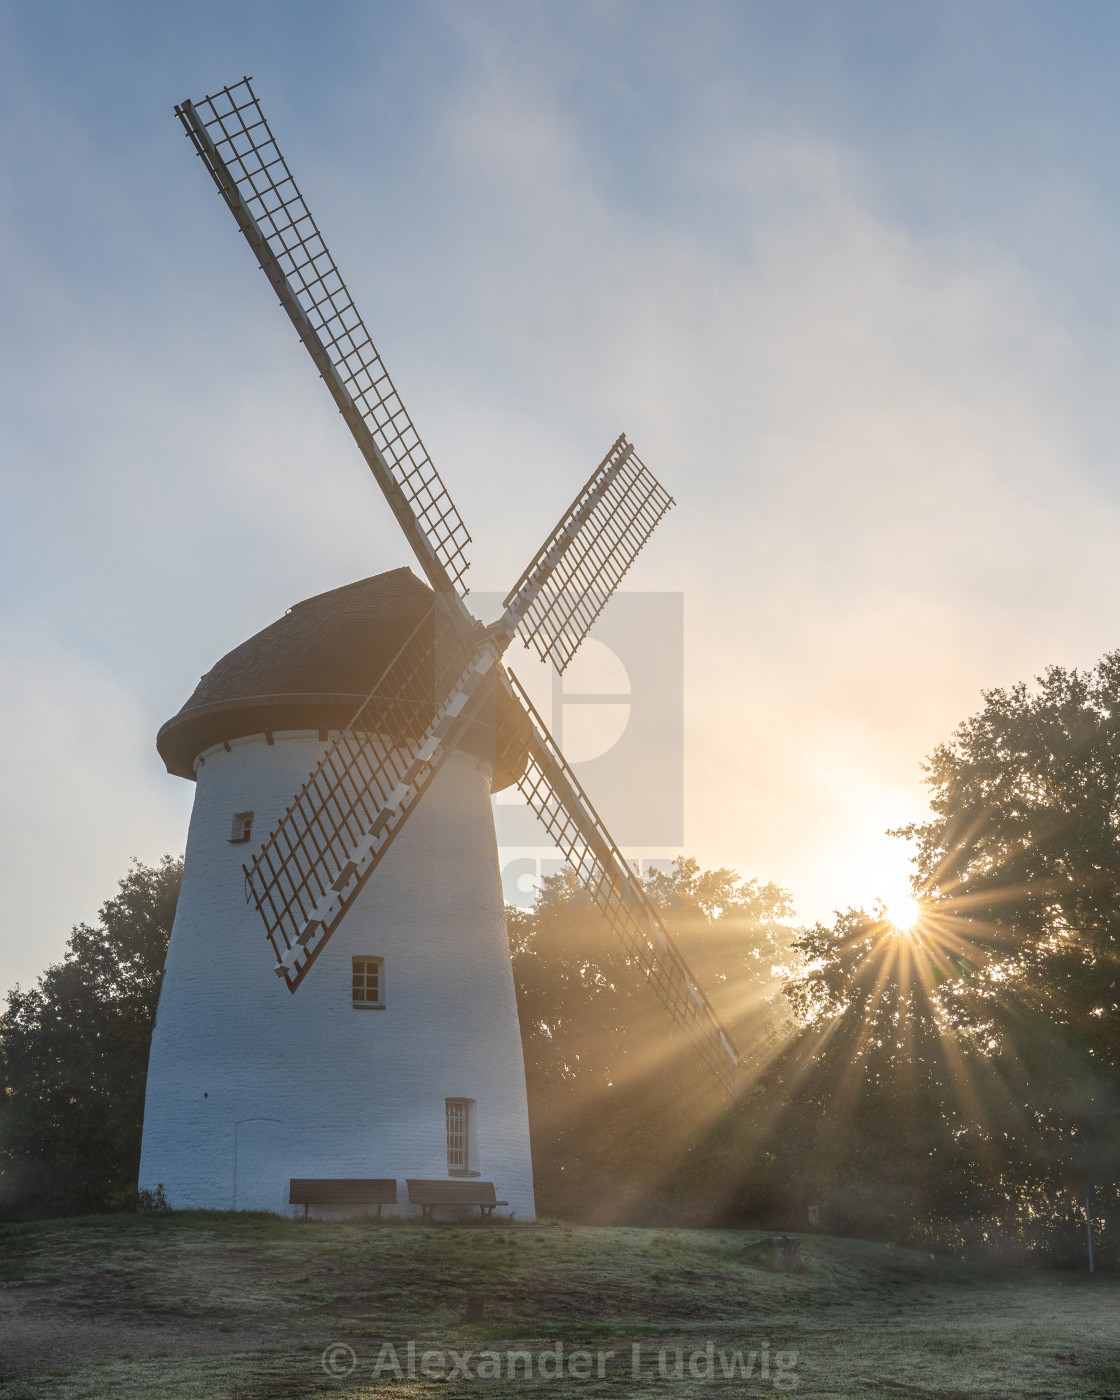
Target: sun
(903,913)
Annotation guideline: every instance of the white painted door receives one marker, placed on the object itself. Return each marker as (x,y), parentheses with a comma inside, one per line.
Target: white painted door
(260,1167)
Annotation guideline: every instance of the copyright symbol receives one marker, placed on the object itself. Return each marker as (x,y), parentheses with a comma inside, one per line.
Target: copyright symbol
(339,1359)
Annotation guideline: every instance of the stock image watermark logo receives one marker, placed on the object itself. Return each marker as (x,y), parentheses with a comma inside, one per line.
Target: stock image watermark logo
(759,1363)
(617,714)
(339,1359)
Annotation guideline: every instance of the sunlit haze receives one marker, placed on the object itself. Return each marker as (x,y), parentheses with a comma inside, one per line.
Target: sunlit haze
(903,913)
(845,274)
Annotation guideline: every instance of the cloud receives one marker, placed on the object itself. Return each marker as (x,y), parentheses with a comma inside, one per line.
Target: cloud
(888,430)
(83,792)
(886,501)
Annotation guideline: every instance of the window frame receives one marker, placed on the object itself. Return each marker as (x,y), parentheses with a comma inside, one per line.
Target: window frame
(364,960)
(466,1163)
(242,829)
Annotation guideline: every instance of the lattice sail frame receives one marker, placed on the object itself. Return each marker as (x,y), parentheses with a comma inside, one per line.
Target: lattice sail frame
(343,820)
(341,823)
(358,798)
(554,793)
(231,134)
(603,532)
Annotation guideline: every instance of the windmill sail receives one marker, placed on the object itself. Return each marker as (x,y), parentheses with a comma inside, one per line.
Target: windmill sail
(343,820)
(602,533)
(230,133)
(554,793)
(360,795)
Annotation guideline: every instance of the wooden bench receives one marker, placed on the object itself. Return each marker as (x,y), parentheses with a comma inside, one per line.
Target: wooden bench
(343,1191)
(429,1195)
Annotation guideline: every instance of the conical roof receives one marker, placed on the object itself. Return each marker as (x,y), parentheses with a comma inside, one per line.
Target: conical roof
(310,669)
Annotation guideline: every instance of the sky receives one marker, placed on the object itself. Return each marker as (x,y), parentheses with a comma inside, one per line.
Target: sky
(848,274)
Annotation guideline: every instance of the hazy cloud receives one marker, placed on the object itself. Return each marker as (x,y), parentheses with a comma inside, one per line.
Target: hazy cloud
(818,277)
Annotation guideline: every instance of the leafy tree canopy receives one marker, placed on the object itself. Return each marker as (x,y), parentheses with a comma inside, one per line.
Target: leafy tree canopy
(984,1045)
(1024,846)
(616,1097)
(74,1055)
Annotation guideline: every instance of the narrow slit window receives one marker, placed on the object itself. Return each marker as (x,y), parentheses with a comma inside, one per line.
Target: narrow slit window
(242,827)
(368,983)
(457,1124)
(462,1137)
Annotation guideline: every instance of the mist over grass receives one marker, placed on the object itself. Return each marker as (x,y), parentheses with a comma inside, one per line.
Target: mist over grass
(201,1306)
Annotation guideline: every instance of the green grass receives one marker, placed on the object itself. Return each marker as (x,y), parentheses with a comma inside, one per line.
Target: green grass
(224,1307)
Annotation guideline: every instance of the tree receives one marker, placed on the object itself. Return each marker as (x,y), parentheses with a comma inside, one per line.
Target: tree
(867,1102)
(1025,841)
(74,1055)
(736,936)
(617,1099)
(961,1082)
(1022,859)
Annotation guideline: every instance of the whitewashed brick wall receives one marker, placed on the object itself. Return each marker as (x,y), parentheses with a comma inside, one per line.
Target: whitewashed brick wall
(249,1085)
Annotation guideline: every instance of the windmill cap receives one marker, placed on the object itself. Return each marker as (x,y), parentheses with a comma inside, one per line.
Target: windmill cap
(310,669)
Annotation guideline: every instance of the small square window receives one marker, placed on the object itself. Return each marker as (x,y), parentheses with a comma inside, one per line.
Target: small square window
(242,827)
(368,983)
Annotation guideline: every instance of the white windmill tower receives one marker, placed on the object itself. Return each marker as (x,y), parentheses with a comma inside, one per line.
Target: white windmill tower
(385,708)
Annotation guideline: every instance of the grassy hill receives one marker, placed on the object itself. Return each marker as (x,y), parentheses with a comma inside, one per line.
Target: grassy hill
(225,1307)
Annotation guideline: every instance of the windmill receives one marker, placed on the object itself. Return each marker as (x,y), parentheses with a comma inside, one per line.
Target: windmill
(368,790)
